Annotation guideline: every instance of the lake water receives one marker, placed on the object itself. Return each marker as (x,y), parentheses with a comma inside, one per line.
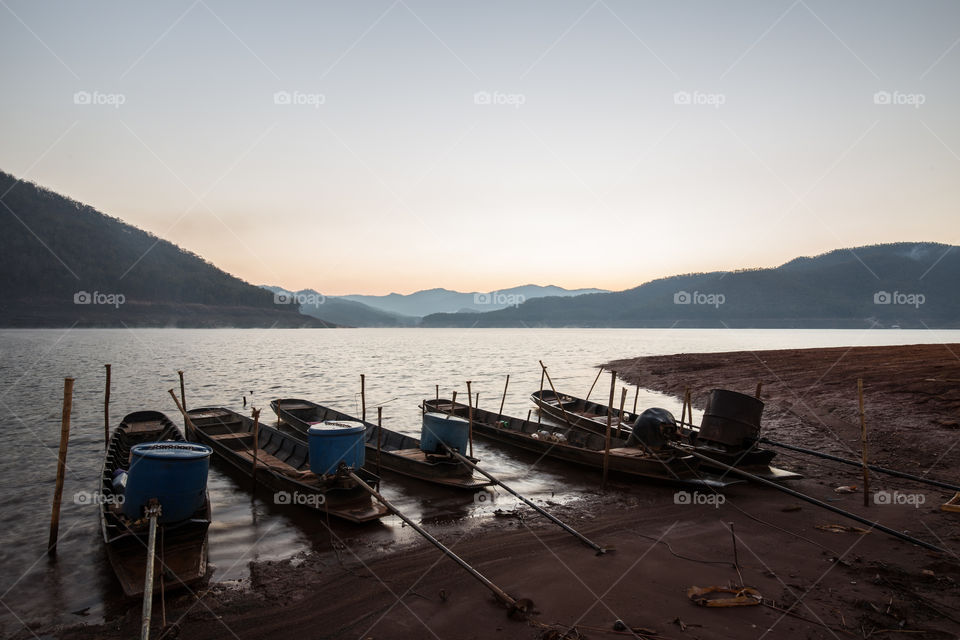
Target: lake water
(401,366)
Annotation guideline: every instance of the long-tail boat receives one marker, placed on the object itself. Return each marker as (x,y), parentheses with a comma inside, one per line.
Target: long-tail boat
(181,553)
(392,450)
(283,465)
(728,434)
(585,448)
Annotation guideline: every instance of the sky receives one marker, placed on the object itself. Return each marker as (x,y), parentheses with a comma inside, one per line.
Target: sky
(391,146)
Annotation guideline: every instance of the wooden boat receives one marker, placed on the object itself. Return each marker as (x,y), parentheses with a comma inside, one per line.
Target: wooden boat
(586,449)
(398,452)
(592,416)
(181,555)
(283,466)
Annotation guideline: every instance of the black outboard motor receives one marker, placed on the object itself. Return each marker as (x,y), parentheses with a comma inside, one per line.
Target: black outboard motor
(731,420)
(654,428)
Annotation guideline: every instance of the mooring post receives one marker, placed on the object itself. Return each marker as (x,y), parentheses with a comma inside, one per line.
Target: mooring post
(183,397)
(623,399)
(106,410)
(636,396)
(759,389)
(606,449)
(61,465)
(363,398)
(504,398)
(256,444)
(543,372)
(470,415)
(863,445)
(380,435)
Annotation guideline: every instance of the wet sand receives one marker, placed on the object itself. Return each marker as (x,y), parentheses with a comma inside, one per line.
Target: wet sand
(815,583)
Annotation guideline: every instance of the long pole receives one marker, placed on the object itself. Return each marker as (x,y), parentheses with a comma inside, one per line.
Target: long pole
(623,399)
(600,550)
(497,591)
(438,396)
(759,389)
(504,398)
(106,410)
(802,496)
(542,373)
(153,512)
(863,445)
(594,383)
(183,397)
(256,444)
(453,404)
(470,415)
(379,435)
(606,448)
(188,423)
(61,465)
(636,396)
(363,397)
(857,463)
(557,395)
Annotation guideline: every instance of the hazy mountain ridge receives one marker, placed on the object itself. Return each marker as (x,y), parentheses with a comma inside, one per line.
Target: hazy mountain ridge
(902,284)
(66,264)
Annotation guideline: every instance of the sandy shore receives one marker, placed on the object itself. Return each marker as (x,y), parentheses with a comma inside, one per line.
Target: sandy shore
(815,583)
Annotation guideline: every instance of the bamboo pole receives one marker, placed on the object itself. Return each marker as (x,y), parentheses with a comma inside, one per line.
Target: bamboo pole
(759,389)
(594,383)
(542,373)
(470,415)
(623,399)
(636,396)
(363,397)
(557,395)
(453,404)
(61,465)
(187,422)
(504,398)
(183,397)
(438,396)
(379,435)
(153,512)
(256,443)
(863,445)
(606,449)
(106,410)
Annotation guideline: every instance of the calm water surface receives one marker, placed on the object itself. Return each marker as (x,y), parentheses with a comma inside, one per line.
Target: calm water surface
(401,366)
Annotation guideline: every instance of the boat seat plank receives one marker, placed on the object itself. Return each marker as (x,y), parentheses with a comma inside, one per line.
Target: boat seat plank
(295,405)
(211,413)
(632,452)
(410,454)
(229,436)
(146,427)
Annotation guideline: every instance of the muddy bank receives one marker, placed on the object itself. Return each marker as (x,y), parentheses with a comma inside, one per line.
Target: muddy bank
(815,583)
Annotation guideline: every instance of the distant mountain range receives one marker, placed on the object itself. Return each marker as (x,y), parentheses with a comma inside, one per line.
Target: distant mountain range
(398,310)
(902,285)
(65,264)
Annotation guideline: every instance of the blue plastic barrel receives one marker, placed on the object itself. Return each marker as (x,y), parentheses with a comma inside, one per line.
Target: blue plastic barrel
(440,427)
(333,442)
(175,473)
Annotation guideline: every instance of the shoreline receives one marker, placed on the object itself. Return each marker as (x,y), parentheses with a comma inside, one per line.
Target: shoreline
(853,583)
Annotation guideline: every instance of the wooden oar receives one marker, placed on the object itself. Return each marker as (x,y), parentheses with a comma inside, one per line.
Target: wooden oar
(600,550)
(501,595)
(153,512)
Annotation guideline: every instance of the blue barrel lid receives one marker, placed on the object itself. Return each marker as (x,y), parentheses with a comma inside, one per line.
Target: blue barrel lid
(446,416)
(336,427)
(171,450)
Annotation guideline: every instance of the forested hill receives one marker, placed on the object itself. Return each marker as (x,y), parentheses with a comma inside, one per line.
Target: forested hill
(66,264)
(906,285)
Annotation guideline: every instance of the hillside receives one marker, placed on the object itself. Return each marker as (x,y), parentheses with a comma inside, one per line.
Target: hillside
(66,264)
(907,285)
